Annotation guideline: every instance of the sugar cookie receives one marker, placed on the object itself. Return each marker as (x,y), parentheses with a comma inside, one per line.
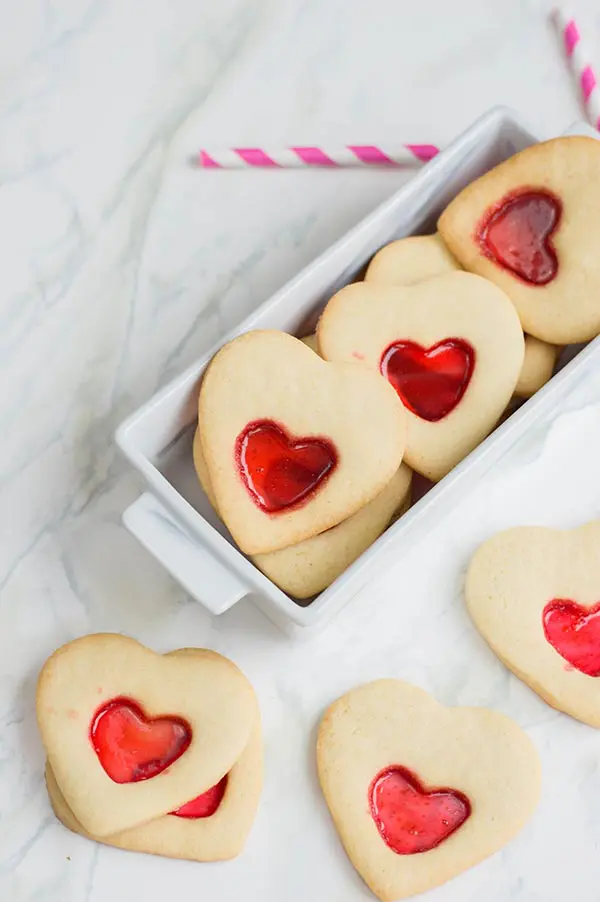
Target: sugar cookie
(421,257)
(198,835)
(187,720)
(419,792)
(411,260)
(534,595)
(529,226)
(293,444)
(451,346)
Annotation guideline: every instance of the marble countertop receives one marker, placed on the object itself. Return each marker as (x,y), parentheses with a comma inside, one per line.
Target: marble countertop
(120,265)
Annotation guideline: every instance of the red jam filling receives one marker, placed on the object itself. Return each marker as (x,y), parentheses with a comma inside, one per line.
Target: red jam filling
(131,746)
(281,472)
(574,632)
(517,234)
(203,805)
(413,819)
(429,381)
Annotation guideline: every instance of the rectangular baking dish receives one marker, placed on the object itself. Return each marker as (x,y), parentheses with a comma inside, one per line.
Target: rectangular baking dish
(174,520)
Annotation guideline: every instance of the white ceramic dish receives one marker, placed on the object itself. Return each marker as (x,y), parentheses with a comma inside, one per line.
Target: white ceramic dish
(174,520)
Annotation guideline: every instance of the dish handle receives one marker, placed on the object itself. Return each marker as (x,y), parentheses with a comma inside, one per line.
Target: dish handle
(193,566)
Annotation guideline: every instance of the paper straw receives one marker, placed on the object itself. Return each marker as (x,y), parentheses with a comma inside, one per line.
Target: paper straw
(579,61)
(301,157)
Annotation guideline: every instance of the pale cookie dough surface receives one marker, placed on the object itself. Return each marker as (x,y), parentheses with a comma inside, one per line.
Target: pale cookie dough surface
(307,568)
(285,382)
(538,366)
(411,260)
(361,321)
(211,694)
(476,751)
(566,310)
(421,257)
(216,838)
(202,470)
(510,580)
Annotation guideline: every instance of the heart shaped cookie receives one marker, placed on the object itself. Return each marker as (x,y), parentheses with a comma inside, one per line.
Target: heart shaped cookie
(534,595)
(293,444)
(213,827)
(418,792)
(305,569)
(451,347)
(529,226)
(411,260)
(131,735)
(421,257)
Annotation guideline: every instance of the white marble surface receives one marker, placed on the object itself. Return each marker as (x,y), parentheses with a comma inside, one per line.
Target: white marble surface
(120,264)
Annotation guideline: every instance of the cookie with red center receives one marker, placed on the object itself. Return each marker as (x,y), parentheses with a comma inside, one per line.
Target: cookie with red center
(410,260)
(305,569)
(293,444)
(131,735)
(211,827)
(451,347)
(534,595)
(529,225)
(419,792)
(421,257)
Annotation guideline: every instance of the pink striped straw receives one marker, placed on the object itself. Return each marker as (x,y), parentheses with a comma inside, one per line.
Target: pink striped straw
(579,61)
(294,157)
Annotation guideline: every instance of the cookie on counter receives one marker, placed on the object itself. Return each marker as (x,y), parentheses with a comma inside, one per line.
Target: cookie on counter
(452,347)
(534,595)
(212,827)
(410,260)
(293,444)
(131,735)
(418,792)
(305,569)
(531,226)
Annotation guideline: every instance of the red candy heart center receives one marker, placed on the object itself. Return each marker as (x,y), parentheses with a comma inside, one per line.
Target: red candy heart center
(281,472)
(516,234)
(133,747)
(574,632)
(410,818)
(429,381)
(203,805)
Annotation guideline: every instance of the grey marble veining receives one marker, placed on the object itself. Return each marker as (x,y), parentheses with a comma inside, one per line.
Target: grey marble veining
(120,264)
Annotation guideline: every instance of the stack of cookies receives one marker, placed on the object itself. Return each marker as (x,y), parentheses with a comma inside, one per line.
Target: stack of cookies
(302,490)
(306,448)
(151,753)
